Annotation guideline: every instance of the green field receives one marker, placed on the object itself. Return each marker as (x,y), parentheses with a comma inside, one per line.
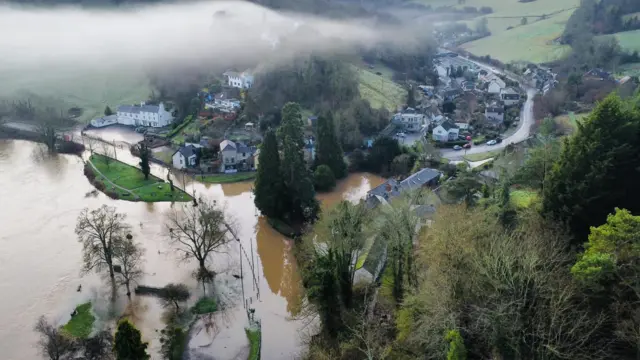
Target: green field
(629,69)
(81,324)
(226,178)
(379,90)
(482,156)
(532,42)
(629,40)
(131,178)
(89,90)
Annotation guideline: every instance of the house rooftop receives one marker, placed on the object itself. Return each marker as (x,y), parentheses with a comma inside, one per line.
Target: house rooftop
(227,145)
(419,179)
(187,151)
(447,125)
(136,109)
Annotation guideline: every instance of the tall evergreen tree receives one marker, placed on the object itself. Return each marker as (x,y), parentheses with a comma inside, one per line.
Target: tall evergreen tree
(598,169)
(328,149)
(128,343)
(268,185)
(145,155)
(411,97)
(301,204)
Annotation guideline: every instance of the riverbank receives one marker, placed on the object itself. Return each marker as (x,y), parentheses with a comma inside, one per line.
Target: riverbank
(226,178)
(125,182)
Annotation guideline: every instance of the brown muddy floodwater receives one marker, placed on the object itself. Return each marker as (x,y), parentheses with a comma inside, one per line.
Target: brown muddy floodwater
(40,258)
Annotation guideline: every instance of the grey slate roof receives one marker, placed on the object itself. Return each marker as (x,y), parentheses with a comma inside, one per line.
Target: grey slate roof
(448,125)
(136,109)
(243,148)
(419,179)
(187,151)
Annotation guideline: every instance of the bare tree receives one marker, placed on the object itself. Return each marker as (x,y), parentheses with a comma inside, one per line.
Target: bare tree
(128,255)
(53,345)
(197,231)
(48,126)
(174,294)
(98,230)
(98,347)
(107,152)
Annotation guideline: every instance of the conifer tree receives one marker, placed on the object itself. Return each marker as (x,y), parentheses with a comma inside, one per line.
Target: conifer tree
(268,187)
(328,149)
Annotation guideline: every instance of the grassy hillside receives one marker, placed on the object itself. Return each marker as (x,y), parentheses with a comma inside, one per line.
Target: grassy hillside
(91,91)
(629,40)
(379,90)
(531,42)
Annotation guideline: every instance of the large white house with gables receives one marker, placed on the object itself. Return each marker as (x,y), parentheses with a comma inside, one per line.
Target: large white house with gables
(243,80)
(137,115)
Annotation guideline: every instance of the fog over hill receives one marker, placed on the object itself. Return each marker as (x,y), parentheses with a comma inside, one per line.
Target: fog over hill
(215,34)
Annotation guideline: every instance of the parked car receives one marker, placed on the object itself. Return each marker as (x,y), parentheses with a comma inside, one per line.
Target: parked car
(491,142)
(457,147)
(498,140)
(467,145)
(401,135)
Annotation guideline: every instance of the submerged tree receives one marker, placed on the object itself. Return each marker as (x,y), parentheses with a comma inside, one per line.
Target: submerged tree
(128,255)
(97,347)
(174,294)
(128,343)
(98,230)
(53,344)
(197,231)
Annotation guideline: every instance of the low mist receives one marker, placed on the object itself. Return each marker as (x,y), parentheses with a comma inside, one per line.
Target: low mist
(214,34)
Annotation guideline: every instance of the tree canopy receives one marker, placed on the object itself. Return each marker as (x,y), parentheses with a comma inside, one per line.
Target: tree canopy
(268,186)
(128,343)
(328,149)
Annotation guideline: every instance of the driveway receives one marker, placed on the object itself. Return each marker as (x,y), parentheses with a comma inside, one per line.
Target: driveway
(523,132)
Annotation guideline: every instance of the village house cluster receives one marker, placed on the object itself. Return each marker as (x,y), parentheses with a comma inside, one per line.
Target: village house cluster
(467,100)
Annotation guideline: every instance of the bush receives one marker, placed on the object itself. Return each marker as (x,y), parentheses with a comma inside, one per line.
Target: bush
(89,173)
(99,185)
(112,194)
(204,306)
(323,178)
(174,341)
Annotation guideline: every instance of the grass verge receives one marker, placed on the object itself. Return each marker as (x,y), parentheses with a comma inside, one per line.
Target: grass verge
(482,156)
(226,178)
(254,335)
(81,324)
(204,306)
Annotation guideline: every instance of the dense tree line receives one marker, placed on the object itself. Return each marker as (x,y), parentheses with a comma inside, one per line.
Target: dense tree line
(600,17)
(488,279)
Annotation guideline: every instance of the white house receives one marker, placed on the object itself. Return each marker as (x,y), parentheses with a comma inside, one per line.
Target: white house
(144,115)
(447,131)
(185,156)
(410,120)
(243,80)
(509,96)
(235,156)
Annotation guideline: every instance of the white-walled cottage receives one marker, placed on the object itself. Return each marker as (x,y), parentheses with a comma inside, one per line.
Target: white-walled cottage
(144,115)
(185,157)
(447,131)
(243,80)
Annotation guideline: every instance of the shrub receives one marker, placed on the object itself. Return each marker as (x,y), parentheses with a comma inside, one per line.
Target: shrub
(204,306)
(89,173)
(112,194)
(99,185)
(173,340)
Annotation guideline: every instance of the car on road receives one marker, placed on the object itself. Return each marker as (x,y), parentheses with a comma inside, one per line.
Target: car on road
(467,146)
(457,147)
(498,140)
(491,142)
(401,135)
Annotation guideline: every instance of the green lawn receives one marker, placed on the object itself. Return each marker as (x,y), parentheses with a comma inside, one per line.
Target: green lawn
(254,336)
(379,90)
(204,306)
(482,156)
(131,178)
(81,324)
(227,178)
(523,198)
(629,69)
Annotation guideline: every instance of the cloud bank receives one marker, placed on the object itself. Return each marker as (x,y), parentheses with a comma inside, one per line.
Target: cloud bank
(217,34)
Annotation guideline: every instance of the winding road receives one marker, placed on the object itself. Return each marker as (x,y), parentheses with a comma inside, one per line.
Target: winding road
(523,132)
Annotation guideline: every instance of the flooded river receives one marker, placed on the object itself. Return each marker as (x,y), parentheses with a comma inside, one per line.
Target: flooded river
(40,257)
